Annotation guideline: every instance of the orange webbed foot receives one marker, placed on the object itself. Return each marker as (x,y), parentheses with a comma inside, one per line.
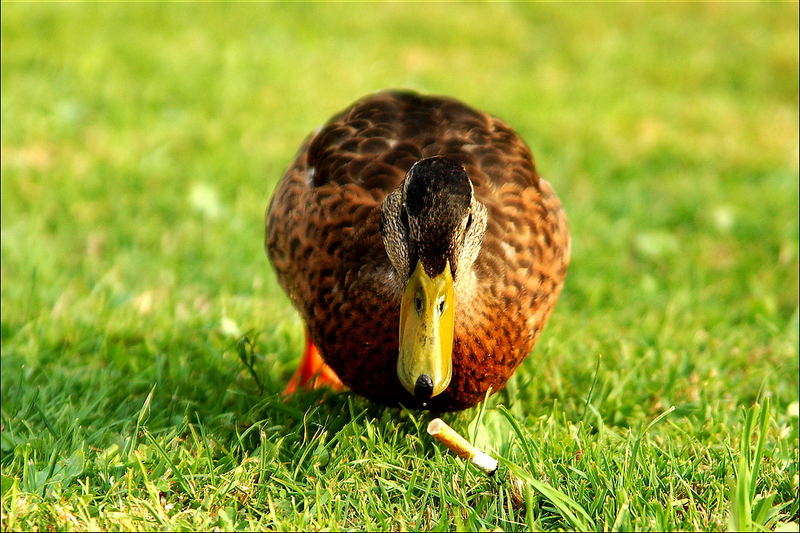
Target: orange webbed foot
(312,372)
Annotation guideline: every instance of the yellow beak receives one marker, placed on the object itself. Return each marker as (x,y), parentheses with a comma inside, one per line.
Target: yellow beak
(427,313)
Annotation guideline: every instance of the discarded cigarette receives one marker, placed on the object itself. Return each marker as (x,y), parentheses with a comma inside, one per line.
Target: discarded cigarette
(458,444)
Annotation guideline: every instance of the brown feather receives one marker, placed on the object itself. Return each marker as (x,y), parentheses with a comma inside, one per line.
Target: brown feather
(324,241)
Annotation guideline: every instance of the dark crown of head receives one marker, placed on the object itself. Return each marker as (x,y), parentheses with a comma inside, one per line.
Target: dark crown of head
(437,195)
(437,187)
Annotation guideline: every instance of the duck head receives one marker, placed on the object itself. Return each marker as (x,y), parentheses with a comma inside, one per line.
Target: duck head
(432,227)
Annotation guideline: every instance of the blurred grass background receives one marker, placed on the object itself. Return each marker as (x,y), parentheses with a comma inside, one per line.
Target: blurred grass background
(141,142)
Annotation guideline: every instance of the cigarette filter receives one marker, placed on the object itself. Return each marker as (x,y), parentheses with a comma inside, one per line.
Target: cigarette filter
(461,447)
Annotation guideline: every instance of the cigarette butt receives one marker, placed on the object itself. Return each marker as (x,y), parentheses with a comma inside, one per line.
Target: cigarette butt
(461,447)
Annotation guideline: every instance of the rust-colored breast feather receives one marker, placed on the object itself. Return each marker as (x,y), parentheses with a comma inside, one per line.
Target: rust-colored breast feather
(324,241)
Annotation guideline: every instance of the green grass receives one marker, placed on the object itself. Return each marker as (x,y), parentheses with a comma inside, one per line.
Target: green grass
(140,143)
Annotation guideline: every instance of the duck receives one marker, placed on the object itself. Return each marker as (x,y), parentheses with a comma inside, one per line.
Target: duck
(421,248)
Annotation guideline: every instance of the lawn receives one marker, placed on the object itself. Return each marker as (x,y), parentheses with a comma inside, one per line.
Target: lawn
(145,340)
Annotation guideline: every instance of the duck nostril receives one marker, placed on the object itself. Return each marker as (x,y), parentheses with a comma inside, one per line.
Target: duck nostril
(423,390)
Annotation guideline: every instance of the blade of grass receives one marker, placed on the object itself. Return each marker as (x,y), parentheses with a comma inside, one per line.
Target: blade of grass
(572,512)
(142,416)
(591,389)
(637,444)
(185,485)
(755,465)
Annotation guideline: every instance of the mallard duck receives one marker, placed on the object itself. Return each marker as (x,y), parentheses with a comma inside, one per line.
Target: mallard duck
(421,248)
